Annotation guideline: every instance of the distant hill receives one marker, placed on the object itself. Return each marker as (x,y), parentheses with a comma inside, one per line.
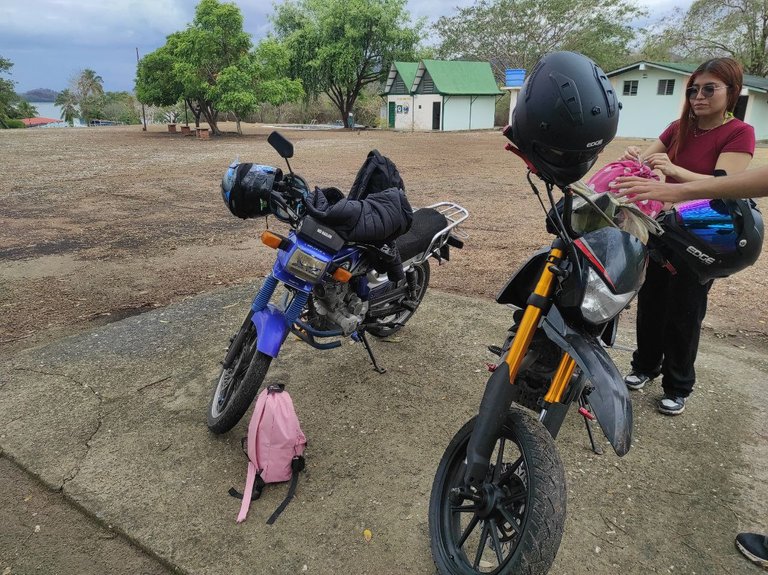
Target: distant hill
(40,95)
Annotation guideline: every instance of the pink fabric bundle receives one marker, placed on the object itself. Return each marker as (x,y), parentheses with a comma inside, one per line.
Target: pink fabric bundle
(601,180)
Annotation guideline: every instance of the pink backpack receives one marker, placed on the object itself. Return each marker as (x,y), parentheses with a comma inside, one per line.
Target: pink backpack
(275,447)
(601,180)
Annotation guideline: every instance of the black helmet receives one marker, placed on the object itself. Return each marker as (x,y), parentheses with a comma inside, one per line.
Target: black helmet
(246,188)
(566,113)
(715,238)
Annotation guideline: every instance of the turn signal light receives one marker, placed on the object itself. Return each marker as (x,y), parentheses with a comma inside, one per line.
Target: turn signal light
(342,275)
(271,240)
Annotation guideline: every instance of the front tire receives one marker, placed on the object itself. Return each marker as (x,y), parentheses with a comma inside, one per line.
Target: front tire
(237,386)
(513,523)
(381,329)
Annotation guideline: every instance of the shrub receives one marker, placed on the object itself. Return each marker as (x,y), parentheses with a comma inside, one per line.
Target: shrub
(15,123)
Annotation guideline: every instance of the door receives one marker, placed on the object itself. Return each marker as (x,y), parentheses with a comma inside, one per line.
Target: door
(391,114)
(435,115)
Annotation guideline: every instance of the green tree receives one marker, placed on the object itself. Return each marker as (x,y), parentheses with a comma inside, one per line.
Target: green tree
(340,46)
(67,101)
(157,82)
(712,28)
(120,107)
(190,63)
(24,109)
(12,106)
(517,33)
(258,79)
(88,87)
(212,67)
(8,96)
(214,42)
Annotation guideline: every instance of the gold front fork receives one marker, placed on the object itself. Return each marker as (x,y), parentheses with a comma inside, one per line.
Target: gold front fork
(527,329)
(561,379)
(532,315)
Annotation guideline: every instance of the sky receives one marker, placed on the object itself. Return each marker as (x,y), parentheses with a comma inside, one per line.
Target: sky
(50,41)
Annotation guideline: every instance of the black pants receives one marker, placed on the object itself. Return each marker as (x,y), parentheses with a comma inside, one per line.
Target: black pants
(670,310)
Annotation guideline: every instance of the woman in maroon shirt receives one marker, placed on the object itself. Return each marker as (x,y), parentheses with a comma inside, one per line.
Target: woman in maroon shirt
(706,140)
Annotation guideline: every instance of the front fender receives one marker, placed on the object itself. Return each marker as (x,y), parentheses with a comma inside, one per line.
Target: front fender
(271,330)
(610,398)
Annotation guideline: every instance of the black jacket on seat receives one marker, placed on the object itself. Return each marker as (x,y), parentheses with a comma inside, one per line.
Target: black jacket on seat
(377,219)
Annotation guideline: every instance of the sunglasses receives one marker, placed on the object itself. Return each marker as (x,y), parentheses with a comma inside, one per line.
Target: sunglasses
(707,90)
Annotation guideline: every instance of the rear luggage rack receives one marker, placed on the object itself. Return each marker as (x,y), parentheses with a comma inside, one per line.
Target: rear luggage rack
(455,214)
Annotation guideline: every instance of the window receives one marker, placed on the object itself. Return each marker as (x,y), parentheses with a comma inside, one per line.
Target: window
(630,87)
(666,87)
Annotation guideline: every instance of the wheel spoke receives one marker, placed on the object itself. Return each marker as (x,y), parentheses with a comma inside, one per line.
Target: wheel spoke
(499,459)
(468,530)
(514,496)
(463,508)
(495,541)
(481,546)
(511,519)
(514,467)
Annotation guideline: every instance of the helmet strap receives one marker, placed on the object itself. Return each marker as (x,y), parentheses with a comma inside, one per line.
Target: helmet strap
(516,151)
(659,258)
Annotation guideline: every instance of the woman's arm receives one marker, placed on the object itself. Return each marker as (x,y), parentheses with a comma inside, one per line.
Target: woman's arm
(730,162)
(750,183)
(733,162)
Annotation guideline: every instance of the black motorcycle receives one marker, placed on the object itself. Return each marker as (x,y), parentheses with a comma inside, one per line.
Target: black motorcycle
(498,500)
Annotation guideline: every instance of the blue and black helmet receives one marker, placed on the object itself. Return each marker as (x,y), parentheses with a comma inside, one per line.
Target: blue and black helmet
(715,238)
(246,188)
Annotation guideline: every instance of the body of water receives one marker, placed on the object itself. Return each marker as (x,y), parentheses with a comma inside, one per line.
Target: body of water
(47,110)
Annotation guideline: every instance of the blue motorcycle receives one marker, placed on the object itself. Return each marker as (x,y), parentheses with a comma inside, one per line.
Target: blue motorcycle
(334,287)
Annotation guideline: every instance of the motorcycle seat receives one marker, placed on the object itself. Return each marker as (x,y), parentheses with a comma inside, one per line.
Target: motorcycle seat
(427,222)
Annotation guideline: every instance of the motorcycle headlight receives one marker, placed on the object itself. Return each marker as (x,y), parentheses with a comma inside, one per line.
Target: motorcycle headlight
(306,266)
(600,304)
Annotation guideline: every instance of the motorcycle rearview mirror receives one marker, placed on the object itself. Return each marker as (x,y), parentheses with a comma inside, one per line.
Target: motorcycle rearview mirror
(282,146)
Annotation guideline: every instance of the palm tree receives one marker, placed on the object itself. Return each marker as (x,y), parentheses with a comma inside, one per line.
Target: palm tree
(90,84)
(68,103)
(25,110)
(90,93)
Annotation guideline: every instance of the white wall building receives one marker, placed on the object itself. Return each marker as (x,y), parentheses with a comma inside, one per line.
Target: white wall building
(652,95)
(440,95)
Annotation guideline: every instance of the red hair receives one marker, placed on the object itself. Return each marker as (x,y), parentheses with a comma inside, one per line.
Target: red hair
(732,75)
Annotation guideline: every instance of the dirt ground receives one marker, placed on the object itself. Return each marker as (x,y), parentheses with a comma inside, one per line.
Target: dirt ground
(101,224)
(106,223)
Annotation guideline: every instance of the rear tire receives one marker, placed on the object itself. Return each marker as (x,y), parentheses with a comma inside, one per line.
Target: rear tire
(513,523)
(402,317)
(237,386)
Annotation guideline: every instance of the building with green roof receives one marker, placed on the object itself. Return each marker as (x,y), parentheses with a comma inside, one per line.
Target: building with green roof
(652,94)
(440,95)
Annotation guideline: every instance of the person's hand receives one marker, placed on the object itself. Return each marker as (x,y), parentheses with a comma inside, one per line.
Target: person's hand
(660,161)
(636,189)
(631,153)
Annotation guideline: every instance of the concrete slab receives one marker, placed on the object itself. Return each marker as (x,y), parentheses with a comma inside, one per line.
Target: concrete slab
(116,419)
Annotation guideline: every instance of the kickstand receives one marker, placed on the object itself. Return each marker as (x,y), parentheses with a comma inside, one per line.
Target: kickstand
(588,417)
(376,367)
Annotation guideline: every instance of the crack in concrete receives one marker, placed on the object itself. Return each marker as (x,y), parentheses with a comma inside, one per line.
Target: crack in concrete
(75,470)
(65,376)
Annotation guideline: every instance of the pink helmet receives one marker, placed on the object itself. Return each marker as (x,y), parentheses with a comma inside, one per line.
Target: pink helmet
(601,180)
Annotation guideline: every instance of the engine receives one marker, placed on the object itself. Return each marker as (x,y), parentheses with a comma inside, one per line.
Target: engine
(336,304)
